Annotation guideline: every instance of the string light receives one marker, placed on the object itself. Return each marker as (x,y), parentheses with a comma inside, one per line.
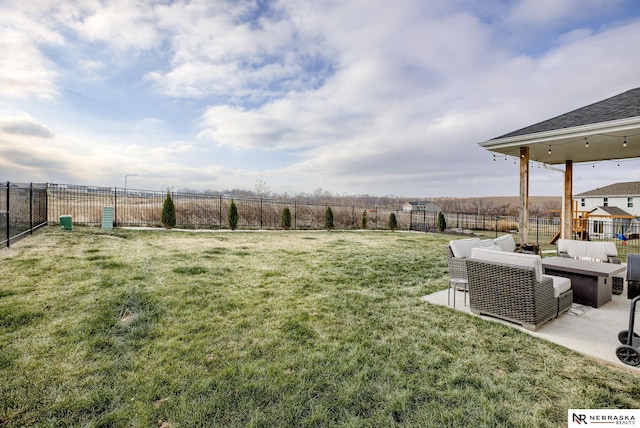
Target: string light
(625,142)
(587,143)
(549,152)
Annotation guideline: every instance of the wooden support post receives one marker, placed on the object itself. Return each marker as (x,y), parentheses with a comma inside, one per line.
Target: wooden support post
(524,195)
(567,200)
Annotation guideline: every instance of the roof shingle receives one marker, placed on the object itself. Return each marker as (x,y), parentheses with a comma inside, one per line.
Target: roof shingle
(621,106)
(613,211)
(631,188)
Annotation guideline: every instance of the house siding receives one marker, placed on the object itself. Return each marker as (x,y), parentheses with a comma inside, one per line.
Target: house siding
(593,202)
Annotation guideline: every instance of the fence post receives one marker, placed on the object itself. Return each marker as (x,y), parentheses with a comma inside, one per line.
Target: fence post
(7,228)
(46,203)
(31,208)
(353,217)
(295,214)
(115,207)
(376,208)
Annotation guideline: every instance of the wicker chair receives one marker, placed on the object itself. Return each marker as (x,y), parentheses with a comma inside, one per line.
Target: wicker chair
(512,293)
(458,275)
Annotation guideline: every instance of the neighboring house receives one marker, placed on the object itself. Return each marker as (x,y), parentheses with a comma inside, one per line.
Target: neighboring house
(625,196)
(427,206)
(608,222)
(612,209)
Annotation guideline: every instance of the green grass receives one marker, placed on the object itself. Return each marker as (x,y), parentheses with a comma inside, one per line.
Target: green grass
(173,329)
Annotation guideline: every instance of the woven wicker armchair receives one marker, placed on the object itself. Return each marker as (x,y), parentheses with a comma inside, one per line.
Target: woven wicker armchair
(457,266)
(512,293)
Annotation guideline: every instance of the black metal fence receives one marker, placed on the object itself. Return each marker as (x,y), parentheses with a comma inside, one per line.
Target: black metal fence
(133,207)
(542,230)
(23,209)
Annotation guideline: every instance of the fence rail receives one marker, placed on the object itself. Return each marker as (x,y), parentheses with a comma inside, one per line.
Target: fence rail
(25,207)
(134,207)
(542,230)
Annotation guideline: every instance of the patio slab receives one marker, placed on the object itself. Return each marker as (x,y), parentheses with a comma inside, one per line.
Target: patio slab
(589,331)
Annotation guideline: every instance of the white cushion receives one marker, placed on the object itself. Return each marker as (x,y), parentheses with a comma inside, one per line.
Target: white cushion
(462,247)
(515,259)
(600,250)
(563,245)
(587,250)
(560,284)
(610,247)
(487,243)
(494,247)
(506,242)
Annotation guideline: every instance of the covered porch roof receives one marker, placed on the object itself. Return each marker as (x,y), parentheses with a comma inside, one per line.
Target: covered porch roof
(605,125)
(605,130)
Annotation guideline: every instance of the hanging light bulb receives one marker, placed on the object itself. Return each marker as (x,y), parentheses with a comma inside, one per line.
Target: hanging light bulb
(587,143)
(494,158)
(625,142)
(549,152)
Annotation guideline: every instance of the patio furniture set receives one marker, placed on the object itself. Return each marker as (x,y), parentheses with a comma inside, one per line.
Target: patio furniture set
(527,289)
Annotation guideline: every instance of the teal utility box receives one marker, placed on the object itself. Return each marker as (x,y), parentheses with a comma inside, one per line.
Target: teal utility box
(107,218)
(66,222)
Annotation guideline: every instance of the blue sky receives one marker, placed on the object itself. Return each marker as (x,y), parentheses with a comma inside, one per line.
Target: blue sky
(351,96)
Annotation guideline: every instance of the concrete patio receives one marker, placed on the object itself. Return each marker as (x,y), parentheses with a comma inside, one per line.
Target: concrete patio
(589,331)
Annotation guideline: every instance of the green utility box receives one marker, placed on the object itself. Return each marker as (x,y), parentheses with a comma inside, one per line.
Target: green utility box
(66,222)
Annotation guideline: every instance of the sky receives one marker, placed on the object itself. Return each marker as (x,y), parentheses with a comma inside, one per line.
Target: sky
(294,96)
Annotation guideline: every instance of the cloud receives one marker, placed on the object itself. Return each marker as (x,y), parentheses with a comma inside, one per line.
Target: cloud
(355,96)
(121,24)
(235,51)
(546,11)
(24,71)
(26,126)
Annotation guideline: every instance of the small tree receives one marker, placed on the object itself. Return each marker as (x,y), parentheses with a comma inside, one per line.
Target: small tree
(364,219)
(168,216)
(328,218)
(233,215)
(285,221)
(441,224)
(393,222)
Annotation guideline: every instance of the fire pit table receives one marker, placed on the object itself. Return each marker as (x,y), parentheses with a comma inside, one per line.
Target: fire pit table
(590,281)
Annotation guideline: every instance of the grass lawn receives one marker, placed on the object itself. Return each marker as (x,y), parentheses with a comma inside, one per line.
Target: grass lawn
(177,329)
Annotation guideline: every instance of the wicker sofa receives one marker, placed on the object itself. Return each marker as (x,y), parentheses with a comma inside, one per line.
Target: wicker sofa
(605,252)
(588,250)
(511,286)
(459,250)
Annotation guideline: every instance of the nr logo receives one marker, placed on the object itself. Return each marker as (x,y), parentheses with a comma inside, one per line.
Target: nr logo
(579,418)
